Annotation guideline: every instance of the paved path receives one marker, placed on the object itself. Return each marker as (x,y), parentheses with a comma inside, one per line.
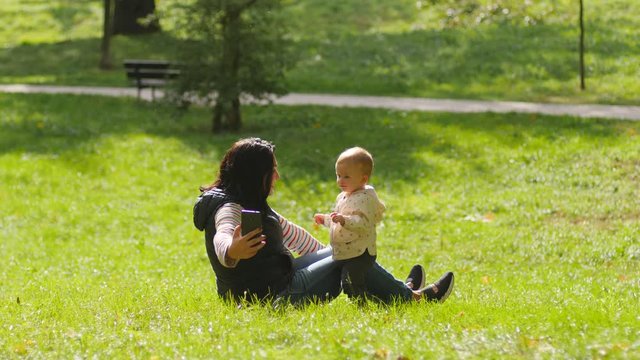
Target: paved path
(387,102)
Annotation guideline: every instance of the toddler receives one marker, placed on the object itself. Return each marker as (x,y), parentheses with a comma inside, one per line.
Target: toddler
(353,222)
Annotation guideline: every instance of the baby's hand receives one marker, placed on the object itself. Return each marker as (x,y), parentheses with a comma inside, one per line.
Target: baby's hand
(337,218)
(319,219)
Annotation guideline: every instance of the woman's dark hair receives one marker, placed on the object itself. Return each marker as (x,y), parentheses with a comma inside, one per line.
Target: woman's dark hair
(246,171)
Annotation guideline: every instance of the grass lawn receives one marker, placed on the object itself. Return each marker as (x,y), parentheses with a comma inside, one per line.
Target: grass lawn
(538,217)
(506,50)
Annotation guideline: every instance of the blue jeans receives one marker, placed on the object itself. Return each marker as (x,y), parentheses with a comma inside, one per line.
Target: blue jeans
(316,276)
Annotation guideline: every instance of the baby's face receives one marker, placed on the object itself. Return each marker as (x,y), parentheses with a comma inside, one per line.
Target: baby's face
(350,176)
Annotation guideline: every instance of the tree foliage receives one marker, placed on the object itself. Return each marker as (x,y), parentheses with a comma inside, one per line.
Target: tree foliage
(232,48)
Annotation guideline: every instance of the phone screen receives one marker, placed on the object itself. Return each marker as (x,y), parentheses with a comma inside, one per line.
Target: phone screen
(250,220)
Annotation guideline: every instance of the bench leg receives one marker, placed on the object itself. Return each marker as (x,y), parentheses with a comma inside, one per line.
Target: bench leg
(153,93)
(138,93)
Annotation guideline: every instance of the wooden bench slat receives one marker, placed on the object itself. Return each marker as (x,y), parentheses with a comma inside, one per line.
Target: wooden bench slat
(153,74)
(145,62)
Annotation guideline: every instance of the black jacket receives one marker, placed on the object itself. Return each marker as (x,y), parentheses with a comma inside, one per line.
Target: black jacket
(264,275)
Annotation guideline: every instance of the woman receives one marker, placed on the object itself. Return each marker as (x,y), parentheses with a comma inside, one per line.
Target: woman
(259,264)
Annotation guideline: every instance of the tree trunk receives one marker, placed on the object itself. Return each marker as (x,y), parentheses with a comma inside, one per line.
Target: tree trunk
(226,113)
(233,116)
(582,75)
(216,126)
(135,17)
(105,47)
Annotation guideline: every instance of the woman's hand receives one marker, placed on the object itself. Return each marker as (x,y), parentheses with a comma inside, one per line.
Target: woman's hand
(319,219)
(247,246)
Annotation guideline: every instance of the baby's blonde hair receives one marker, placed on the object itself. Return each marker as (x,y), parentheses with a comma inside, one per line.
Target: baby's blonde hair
(360,156)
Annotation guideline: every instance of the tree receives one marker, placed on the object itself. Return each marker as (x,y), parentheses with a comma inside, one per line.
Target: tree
(135,17)
(582,85)
(233,48)
(105,47)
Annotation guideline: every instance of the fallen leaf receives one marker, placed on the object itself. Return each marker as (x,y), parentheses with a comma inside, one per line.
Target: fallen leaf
(489,217)
(531,343)
(381,354)
(20,349)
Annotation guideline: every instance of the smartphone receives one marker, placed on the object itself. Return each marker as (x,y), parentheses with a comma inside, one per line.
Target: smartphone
(250,220)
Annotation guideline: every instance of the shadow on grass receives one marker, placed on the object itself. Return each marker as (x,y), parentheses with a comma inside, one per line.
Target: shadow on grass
(76,62)
(307,138)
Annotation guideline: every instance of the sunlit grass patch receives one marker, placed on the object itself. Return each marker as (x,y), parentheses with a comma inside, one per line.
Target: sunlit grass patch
(536,215)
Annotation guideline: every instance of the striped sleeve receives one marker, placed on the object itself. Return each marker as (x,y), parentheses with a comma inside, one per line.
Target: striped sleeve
(227,218)
(298,239)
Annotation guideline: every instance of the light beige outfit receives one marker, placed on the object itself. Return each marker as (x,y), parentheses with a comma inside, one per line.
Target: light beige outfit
(362,211)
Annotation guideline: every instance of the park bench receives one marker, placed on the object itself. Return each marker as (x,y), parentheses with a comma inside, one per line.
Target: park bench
(150,73)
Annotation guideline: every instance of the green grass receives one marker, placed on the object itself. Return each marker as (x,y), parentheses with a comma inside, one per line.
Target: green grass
(537,216)
(377,47)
